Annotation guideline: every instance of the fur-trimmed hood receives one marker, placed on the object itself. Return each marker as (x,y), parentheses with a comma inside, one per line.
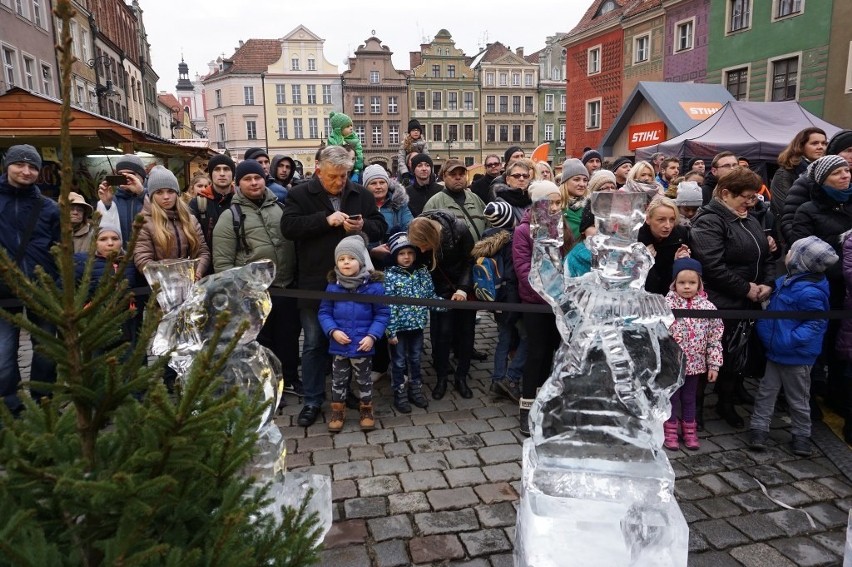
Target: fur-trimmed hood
(397,195)
(375,276)
(490,245)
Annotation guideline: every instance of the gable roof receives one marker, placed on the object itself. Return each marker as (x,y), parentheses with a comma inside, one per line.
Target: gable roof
(589,19)
(300,28)
(253,57)
(497,53)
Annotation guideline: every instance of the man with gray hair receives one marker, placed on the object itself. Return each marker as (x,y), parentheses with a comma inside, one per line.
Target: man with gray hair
(318,214)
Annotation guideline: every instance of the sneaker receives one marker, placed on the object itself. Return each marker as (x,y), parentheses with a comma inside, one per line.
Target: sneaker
(801,446)
(758,439)
(510,388)
(293,387)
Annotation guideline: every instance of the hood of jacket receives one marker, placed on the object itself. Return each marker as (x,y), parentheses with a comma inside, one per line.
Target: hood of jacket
(273,168)
(491,245)
(397,195)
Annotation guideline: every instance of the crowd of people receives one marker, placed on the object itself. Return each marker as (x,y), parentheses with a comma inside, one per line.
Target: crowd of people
(717,234)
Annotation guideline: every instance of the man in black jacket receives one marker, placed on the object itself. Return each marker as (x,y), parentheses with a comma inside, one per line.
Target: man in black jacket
(319,214)
(214,200)
(423,186)
(482,186)
(723,163)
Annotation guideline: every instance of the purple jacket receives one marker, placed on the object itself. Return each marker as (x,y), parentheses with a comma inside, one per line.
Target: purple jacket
(522,248)
(844,338)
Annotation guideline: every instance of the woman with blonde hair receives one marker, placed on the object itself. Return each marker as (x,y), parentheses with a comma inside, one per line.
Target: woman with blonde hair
(170,231)
(574,189)
(200,182)
(666,240)
(544,172)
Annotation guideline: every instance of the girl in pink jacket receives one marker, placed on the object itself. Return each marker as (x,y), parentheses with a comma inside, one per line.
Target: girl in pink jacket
(701,342)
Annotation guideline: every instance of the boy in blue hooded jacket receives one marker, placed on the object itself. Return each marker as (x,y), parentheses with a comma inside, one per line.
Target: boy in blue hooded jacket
(792,345)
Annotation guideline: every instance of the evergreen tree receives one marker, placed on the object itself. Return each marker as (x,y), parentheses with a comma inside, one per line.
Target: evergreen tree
(110,469)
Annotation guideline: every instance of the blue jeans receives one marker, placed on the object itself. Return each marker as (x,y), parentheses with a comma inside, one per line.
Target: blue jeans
(514,370)
(42,370)
(315,358)
(407,353)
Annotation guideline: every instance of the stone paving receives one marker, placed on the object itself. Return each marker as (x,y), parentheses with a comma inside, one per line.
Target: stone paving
(439,486)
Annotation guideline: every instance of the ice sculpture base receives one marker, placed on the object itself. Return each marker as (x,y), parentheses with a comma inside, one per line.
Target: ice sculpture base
(291,488)
(599,531)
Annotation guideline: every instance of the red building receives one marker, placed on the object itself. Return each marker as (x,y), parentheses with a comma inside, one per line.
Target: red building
(595,74)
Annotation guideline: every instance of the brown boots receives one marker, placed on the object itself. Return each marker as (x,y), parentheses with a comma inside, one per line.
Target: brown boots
(338,415)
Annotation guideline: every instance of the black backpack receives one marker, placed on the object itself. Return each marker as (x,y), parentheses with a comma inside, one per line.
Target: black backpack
(239,218)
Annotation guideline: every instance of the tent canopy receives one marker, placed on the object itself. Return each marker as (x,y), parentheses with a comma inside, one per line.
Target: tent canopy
(758,131)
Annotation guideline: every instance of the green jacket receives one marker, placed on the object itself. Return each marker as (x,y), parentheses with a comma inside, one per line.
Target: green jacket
(262,226)
(473,205)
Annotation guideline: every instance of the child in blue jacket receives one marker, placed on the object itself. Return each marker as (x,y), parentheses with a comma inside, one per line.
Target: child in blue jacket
(353,328)
(792,345)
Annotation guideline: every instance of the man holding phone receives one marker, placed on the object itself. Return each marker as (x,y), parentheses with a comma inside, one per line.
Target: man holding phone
(318,214)
(122,195)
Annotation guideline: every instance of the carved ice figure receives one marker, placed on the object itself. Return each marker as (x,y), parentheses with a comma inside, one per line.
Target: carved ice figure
(596,486)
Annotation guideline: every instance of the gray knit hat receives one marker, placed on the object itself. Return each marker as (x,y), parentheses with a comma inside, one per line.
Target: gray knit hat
(499,214)
(598,178)
(161,178)
(374,171)
(23,153)
(689,194)
(811,254)
(108,226)
(819,170)
(572,167)
(354,246)
(133,163)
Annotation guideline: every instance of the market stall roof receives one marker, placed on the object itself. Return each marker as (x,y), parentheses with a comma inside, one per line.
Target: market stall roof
(30,118)
(679,105)
(758,131)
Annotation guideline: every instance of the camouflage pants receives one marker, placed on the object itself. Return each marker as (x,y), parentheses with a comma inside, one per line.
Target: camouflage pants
(359,369)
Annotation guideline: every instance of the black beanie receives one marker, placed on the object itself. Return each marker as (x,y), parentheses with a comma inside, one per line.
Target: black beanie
(254,153)
(248,166)
(220,159)
(414,124)
(619,162)
(839,142)
(590,154)
(508,153)
(420,158)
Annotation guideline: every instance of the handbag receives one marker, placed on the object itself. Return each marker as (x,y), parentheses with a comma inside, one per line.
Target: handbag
(737,342)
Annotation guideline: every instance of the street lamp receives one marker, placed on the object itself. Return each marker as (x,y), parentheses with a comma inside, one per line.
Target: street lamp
(450,147)
(105,90)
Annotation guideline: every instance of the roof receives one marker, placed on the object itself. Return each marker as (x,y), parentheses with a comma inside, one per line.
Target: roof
(666,99)
(252,58)
(534,57)
(758,131)
(641,6)
(589,20)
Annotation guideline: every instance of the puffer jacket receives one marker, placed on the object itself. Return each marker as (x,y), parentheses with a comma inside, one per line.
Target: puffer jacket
(844,338)
(395,209)
(519,200)
(699,339)
(262,228)
(522,249)
(453,271)
(356,319)
(733,253)
(415,283)
(799,194)
(780,186)
(100,268)
(146,252)
(15,206)
(791,341)
(660,276)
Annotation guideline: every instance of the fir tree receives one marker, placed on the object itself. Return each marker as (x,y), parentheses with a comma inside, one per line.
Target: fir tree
(110,469)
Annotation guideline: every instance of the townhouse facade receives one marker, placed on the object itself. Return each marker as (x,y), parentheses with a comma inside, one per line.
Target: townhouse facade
(27,52)
(552,98)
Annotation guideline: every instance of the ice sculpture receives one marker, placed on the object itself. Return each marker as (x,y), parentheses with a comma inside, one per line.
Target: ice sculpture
(191,311)
(596,488)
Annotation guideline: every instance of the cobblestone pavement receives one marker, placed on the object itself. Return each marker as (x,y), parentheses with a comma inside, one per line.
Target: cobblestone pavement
(439,486)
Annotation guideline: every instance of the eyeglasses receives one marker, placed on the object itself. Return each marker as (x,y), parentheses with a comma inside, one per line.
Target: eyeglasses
(520,175)
(727,166)
(494,164)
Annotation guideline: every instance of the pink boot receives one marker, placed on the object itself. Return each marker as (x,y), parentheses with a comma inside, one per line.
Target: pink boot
(670,435)
(690,436)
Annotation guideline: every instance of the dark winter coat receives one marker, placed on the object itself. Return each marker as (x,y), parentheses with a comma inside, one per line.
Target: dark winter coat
(733,253)
(707,187)
(273,168)
(418,195)
(454,264)
(660,277)
(128,206)
(482,188)
(15,207)
(356,319)
(304,222)
(395,209)
(100,268)
(780,186)
(844,338)
(793,341)
(206,207)
(414,282)
(799,194)
(519,200)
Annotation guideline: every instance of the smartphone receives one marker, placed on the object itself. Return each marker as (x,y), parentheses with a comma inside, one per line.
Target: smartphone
(354,217)
(115,180)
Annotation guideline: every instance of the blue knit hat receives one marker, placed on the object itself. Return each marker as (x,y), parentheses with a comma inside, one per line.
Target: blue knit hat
(686,264)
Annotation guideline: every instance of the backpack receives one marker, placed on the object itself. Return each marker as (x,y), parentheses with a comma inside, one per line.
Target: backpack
(488,278)
(239,218)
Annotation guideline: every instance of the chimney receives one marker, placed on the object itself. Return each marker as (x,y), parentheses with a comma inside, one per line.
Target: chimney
(519,51)
(415,58)
(242,43)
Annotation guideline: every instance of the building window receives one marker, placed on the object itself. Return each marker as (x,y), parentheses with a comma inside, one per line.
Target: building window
(684,33)
(548,132)
(296,94)
(516,104)
(218,98)
(528,80)
(593,65)
(298,133)
(374,77)
(785,79)
(436,100)
(313,128)
(312,94)
(528,132)
(516,79)
(468,132)
(452,100)
(222,136)
(84,44)
(562,101)
(436,71)
(489,104)
(437,132)
(294,64)
(516,132)
(280,96)
(468,161)
(393,134)
(453,132)
(375,105)
(641,48)
(326,94)
(468,100)
(504,133)
(46,80)
(504,79)
(312,64)
(739,15)
(361,132)
(248,96)
(489,79)
(326,124)
(528,104)
(358,104)
(784,8)
(451,71)
(504,103)
(29,70)
(377,135)
(548,103)
(593,114)
(21,9)
(420,100)
(393,105)
(556,74)
(736,81)
(37,13)
(251,130)
(562,133)
(491,133)
(282,128)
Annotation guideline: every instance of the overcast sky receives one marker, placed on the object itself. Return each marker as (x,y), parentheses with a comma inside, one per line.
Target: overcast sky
(204,29)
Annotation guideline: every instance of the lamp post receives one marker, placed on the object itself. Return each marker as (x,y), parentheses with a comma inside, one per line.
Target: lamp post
(450,142)
(106,89)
